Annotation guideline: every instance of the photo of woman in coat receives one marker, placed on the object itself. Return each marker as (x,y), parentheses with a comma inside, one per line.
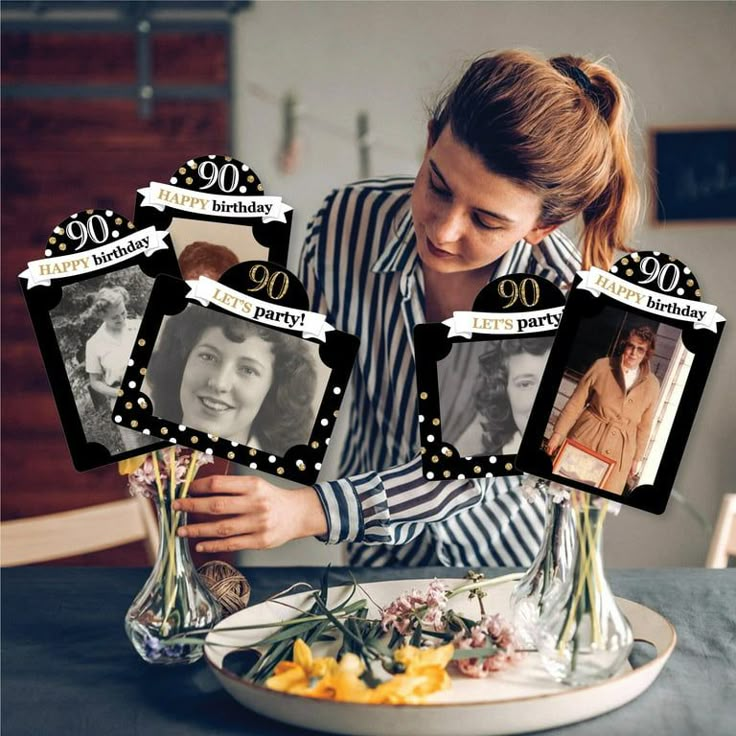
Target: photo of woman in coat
(233,379)
(612,408)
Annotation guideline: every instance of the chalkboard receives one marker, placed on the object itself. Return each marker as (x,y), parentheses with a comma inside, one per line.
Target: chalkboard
(695,174)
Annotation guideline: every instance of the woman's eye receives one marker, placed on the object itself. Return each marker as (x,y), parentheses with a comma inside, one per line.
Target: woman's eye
(247,370)
(438,190)
(206,356)
(483,225)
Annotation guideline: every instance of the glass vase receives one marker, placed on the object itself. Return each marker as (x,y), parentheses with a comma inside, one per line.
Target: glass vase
(544,580)
(582,635)
(174,600)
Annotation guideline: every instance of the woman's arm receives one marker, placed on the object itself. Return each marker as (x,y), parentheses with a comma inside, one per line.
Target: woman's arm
(390,507)
(95,380)
(573,409)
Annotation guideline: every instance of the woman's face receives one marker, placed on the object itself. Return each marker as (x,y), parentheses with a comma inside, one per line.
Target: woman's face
(635,351)
(525,373)
(224,384)
(466,217)
(114,317)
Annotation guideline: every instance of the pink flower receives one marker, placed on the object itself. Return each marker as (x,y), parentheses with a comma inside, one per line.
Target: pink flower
(490,631)
(416,609)
(142,481)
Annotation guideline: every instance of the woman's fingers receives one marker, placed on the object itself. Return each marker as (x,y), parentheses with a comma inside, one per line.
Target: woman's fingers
(229,527)
(230,484)
(214,505)
(231,544)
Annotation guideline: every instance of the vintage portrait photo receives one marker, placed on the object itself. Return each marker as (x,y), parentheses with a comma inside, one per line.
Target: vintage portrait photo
(486,392)
(209,248)
(236,379)
(616,402)
(96,323)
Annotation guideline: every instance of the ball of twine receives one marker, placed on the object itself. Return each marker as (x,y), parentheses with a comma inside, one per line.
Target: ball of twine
(227,584)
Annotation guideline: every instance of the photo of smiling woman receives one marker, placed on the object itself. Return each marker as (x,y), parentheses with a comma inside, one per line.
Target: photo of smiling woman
(612,408)
(234,379)
(507,383)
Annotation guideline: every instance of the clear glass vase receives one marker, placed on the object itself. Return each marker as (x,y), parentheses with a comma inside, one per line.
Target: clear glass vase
(544,580)
(174,599)
(582,635)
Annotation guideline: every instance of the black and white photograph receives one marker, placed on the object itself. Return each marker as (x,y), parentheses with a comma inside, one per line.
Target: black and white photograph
(96,323)
(236,379)
(208,248)
(487,390)
(622,375)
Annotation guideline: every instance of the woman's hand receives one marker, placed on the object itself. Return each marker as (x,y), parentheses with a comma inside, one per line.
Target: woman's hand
(553,443)
(95,380)
(250,513)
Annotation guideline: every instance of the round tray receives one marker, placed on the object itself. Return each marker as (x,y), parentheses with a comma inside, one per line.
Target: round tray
(497,705)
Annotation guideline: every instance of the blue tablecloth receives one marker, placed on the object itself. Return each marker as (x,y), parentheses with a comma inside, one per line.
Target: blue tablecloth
(68,668)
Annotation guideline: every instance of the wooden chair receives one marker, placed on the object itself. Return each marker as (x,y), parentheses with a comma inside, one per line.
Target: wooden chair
(723,543)
(78,532)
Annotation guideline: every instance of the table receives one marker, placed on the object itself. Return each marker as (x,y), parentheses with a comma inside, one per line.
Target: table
(68,668)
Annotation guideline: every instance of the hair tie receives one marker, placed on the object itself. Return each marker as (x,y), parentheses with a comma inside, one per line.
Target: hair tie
(578,76)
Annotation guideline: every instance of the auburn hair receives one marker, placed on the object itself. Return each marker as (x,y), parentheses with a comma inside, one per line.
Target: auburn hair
(560,128)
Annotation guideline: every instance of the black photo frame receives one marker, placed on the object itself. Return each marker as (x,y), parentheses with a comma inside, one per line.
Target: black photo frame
(89,251)
(217,215)
(507,313)
(184,389)
(694,170)
(645,289)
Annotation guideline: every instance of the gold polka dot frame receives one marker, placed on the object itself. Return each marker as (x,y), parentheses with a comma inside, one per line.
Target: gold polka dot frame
(222,200)
(623,381)
(235,383)
(86,294)
(469,370)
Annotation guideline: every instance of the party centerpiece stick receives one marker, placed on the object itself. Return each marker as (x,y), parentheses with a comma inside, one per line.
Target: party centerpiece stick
(86,297)
(217,215)
(477,375)
(239,368)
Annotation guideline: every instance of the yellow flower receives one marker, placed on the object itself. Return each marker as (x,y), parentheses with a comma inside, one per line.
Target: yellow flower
(324,678)
(298,676)
(126,467)
(424,674)
(416,659)
(343,683)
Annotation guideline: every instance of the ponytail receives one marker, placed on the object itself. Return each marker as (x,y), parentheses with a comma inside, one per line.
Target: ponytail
(609,220)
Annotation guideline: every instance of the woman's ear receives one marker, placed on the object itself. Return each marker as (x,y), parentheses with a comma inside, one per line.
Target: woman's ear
(535,236)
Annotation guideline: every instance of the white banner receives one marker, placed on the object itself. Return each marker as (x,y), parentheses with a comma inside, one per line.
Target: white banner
(465,324)
(268,209)
(597,281)
(45,270)
(310,324)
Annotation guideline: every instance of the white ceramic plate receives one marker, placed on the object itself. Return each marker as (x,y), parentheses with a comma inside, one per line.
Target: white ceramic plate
(520,699)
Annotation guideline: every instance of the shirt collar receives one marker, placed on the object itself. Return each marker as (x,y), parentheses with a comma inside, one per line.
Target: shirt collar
(400,254)
(401,249)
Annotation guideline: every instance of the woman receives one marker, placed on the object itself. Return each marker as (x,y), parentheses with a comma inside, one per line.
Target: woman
(233,379)
(518,147)
(510,372)
(611,409)
(107,351)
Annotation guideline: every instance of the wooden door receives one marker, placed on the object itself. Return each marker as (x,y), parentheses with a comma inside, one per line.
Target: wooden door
(73,138)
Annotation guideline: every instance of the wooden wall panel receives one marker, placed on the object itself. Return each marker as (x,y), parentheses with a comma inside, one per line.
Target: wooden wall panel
(58,157)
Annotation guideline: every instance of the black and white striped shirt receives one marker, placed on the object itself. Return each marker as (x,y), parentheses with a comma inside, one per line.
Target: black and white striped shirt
(360,267)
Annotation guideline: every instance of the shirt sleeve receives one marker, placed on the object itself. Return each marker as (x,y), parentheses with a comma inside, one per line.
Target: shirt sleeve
(392,506)
(92,358)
